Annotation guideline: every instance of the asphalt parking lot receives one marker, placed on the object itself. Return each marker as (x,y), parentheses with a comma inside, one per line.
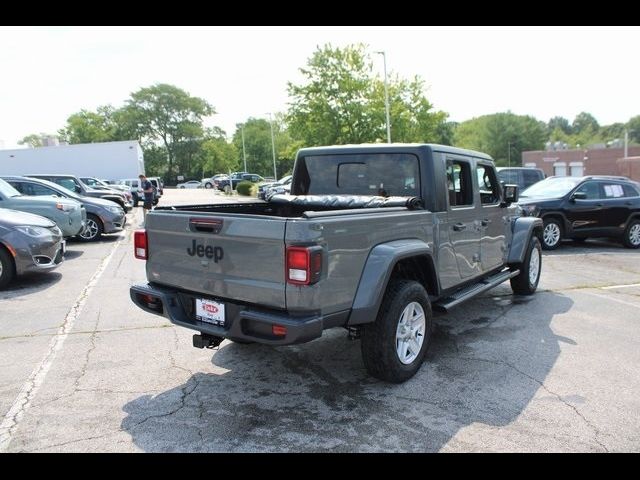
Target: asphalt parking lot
(83,369)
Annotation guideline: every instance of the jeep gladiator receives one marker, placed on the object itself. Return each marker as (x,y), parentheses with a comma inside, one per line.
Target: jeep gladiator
(371,238)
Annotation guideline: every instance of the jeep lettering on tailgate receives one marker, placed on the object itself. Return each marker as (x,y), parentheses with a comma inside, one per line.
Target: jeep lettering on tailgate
(201,251)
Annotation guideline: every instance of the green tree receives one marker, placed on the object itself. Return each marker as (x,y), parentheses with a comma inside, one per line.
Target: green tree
(89,127)
(342,101)
(633,127)
(171,116)
(585,123)
(34,140)
(504,136)
(216,155)
(559,123)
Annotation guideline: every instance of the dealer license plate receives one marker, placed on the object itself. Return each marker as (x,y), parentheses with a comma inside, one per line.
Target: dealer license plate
(210,311)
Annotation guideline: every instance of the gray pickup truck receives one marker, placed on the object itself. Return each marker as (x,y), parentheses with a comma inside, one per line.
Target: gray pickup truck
(371,238)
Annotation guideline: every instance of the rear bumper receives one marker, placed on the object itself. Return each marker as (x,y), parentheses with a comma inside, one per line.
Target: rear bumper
(242,322)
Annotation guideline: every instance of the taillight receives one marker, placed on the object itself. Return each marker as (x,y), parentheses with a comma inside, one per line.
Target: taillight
(140,244)
(304,265)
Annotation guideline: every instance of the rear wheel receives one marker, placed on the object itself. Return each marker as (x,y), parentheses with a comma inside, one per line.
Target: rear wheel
(631,237)
(394,346)
(526,282)
(7,268)
(208,185)
(93,230)
(552,234)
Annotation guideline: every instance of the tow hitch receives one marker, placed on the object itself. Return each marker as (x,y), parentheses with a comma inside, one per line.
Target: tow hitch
(206,341)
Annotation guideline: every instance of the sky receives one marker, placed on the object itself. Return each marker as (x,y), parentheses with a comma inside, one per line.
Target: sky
(48,73)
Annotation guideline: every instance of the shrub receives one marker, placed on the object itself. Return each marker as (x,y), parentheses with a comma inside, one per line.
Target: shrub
(247,189)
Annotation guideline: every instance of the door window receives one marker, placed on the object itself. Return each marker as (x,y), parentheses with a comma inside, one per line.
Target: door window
(612,190)
(459,183)
(590,189)
(487,184)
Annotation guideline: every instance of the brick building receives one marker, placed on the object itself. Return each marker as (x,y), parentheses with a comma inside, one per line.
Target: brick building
(597,161)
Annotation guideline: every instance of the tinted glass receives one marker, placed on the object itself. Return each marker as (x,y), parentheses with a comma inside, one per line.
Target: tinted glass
(459,183)
(487,184)
(551,187)
(385,174)
(590,189)
(630,191)
(612,190)
(531,176)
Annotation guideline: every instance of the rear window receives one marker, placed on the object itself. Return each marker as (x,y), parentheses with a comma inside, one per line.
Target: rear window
(384,174)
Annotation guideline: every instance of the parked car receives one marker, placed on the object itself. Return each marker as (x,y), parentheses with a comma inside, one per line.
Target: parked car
(583,207)
(213,181)
(103,216)
(136,191)
(69,215)
(190,184)
(274,187)
(73,183)
(227,185)
(28,243)
(524,177)
(101,185)
(158,185)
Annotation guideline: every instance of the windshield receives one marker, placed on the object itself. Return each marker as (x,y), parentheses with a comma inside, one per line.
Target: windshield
(554,187)
(7,190)
(358,174)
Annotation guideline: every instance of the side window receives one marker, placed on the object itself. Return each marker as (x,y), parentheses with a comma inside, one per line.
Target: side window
(19,186)
(40,190)
(612,190)
(459,183)
(591,189)
(66,183)
(629,191)
(487,184)
(531,176)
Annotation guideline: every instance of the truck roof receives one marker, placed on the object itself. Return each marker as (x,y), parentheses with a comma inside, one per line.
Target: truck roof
(390,147)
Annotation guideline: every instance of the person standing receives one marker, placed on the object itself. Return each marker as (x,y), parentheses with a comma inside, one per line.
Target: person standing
(147,189)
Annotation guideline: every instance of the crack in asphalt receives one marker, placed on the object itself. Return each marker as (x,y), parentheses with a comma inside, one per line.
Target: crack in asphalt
(85,332)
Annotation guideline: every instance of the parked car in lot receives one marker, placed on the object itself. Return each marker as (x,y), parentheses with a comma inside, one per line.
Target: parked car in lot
(73,183)
(227,185)
(136,190)
(102,185)
(190,184)
(213,181)
(69,215)
(583,207)
(275,188)
(158,185)
(28,243)
(524,177)
(103,216)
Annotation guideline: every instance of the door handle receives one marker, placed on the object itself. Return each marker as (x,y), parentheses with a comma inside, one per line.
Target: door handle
(458,227)
(485,222)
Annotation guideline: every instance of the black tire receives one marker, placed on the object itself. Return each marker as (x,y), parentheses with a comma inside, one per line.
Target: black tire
(522,284)
(7,268)
(379,343)
(93,231)
(552,234)
(631,237)
(208,185)
(182,188)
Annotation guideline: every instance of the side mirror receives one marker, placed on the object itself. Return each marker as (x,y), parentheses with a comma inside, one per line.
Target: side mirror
(579,196)
(78,189)
(510,194)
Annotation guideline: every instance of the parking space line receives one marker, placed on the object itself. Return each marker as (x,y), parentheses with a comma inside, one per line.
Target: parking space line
(30,388)
(613,299)
(621,286)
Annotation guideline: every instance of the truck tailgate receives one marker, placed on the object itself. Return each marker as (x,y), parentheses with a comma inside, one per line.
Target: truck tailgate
(238,257)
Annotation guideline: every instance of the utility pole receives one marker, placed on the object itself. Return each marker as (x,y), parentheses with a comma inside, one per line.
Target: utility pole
(509,153)
(626,143)
(386,95)
(244,152)
(273,147)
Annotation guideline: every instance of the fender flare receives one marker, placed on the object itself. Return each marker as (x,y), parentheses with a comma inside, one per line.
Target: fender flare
(376,275)
(522,230)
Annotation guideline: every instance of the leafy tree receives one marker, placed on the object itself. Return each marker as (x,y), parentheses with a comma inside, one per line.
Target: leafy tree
(559,123)
(633,127)
(34,140)
(216,155)
(504,136)
(342,101)
(89,127)
(585,123)
(169,115)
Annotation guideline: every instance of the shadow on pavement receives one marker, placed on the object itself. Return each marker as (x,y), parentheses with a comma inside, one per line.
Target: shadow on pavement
(30,283)
(487,361)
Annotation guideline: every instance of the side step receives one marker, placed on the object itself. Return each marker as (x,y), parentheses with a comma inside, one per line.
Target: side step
(445,304)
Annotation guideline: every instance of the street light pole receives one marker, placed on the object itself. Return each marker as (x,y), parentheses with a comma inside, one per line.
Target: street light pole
(386,95)
(509,153)
(244,152)
(273,147)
